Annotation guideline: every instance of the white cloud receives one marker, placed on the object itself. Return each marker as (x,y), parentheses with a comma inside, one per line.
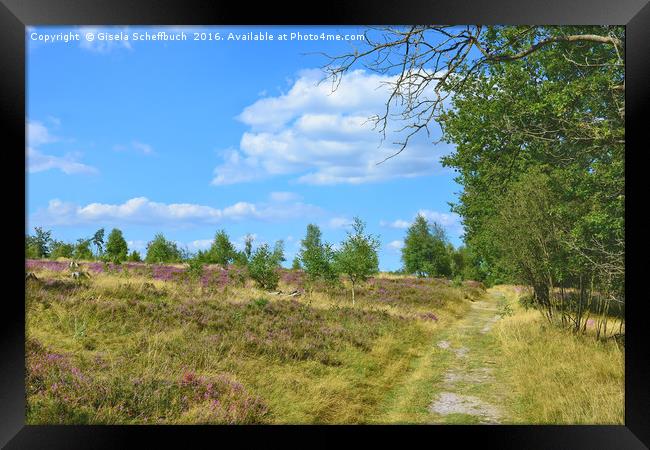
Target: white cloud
(137,245)
(136,146)
(37,161)
(323,137)
(38,134)
(396,245)
(284,196)
(339,222)
(401,224)
(200,244)
(141,210)
(447,220)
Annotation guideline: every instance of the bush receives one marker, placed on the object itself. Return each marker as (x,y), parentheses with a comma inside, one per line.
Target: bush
(263,268)
(134,256)
(527,301)
(161,250)
(195,269)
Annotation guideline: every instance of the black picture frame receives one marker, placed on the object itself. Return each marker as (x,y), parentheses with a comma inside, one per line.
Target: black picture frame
(16,14)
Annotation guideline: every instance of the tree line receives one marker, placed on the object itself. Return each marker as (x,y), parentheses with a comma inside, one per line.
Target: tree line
(426,253)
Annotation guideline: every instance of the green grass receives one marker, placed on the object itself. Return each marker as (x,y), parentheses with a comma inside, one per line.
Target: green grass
(127,349)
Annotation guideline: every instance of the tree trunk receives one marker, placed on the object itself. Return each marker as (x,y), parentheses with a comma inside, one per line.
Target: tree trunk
(353,293)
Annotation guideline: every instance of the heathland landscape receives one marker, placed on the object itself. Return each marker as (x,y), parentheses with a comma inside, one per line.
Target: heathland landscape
(433,235)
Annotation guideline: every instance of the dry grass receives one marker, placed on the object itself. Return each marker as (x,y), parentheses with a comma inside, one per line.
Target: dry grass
(125,348)
(557,377)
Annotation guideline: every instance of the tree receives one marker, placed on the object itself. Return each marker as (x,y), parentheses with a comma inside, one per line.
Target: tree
(357,257)
(38,246)
(222,251)
(425,250)
(316,257)
(160,250)
(82,250)
(116,247)
(278,252)
(295,264)
(60,249)
(134,256)
(98,240)
(263,267)
(248,246)
(535,107)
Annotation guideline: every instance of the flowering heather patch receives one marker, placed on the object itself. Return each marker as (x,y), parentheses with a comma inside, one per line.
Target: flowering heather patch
(43,264)
(293,277)
(58,392)
(221,400)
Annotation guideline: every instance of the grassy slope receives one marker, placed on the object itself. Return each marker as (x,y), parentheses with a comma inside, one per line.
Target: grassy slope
(555,377)
(128,349)
(150,351)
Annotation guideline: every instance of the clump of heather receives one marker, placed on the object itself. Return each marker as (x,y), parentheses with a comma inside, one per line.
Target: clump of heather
(58,392)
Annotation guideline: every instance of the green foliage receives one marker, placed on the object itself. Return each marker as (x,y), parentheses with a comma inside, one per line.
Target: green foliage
(60,249)
(295,264)
(278,252)
(540,153)
(195,268)
(425,252)
(316,257)
(222,250)
(38,245)
(134,256)
(116,247)
(161,250)
(98,240)
(357,257)
(82,250)
(248,247)
(258,303)
(263,267)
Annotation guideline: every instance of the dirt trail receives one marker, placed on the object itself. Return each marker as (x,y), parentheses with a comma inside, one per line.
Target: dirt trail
(467,391)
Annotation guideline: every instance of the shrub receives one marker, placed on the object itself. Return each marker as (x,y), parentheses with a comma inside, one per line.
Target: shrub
(161,250)
(263,268)
(195,268)
(134,256)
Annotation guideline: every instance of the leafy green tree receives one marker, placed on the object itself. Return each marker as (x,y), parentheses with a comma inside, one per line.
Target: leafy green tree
(248,247)
(82,250)
(222,250)
(38,245)
(161,250)
(98,241)
(425,251)
(134,256)
(357,258)
(61,249)
(316,257)
(535,108)
(263,267)
(278,252)
(295,264)
(116,246)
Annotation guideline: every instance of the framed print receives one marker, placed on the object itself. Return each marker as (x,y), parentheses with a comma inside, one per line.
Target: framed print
(261,221)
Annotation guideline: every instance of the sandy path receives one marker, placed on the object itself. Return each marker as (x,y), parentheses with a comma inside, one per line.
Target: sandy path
(467,392)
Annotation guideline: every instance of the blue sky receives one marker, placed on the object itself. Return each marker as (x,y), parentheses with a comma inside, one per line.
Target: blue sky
(188,137)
